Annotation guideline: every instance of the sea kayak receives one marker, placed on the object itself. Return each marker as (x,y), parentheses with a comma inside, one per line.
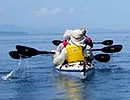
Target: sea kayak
(78,69)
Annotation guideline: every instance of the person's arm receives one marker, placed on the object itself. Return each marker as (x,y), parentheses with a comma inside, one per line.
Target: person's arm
(88,52)
(60,58)
(88,41)
(59,47)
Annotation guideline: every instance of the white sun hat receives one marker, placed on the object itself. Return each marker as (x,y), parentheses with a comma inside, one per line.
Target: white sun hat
(77,37)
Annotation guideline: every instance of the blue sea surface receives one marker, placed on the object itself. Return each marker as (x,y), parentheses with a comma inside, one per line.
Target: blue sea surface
(37,80)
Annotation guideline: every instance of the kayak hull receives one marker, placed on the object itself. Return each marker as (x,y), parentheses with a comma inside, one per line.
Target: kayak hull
(76,70)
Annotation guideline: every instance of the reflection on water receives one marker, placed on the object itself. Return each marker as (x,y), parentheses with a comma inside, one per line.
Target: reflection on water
(70,88)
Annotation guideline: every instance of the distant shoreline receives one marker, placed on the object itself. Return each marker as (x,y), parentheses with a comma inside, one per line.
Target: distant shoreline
(11,32)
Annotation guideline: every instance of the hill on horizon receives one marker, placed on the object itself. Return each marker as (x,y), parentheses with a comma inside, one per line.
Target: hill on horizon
(13,29)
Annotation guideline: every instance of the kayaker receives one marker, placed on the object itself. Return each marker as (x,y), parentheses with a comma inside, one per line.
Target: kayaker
(67,35)
(66,38)
(74,50)
(87,38)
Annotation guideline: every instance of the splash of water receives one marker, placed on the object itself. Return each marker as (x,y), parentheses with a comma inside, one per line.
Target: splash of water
(18,72)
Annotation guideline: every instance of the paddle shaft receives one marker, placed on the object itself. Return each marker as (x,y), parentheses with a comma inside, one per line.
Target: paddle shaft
(45,52)
(97,42)
(27,51)
(98,57)
(105,42)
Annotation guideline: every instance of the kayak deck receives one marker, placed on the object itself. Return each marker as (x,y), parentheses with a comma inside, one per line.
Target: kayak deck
(76,69)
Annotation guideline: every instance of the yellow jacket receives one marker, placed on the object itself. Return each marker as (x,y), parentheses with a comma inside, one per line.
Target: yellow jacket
(60,57)
(74,53)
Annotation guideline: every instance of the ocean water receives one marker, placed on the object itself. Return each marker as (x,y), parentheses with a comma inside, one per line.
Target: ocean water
(35,78)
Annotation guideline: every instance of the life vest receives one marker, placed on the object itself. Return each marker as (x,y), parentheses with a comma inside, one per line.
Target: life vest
(74,53)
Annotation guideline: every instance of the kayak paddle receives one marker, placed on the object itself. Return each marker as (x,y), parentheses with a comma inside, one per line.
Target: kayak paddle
(98,57)
(110,49)
(16,55)
(102,57)
(56,42)
(106,42)
(27,51)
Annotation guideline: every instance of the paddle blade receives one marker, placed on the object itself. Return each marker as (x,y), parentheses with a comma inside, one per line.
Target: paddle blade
(102,57)
(112,49)
(16,55)
(27,51)
(56,42)
(107,42)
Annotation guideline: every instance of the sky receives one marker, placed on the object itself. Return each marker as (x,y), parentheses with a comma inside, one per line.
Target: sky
(51,14)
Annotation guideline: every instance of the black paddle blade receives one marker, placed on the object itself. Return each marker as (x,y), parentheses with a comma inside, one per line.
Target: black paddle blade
(56,42)
(107,42)
(16,55)
(102,57)
(27,51)
(112,49)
